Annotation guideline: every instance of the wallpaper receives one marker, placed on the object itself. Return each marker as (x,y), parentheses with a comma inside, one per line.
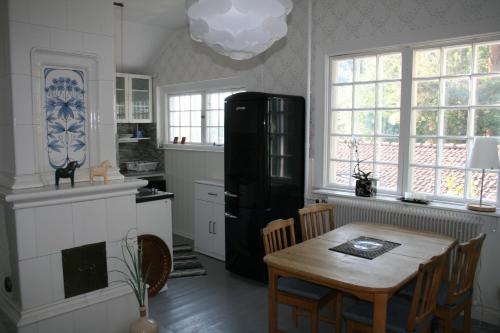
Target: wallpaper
(281,69)
(345,26)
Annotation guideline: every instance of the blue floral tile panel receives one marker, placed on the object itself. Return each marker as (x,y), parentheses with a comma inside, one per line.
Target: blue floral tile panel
(66,114)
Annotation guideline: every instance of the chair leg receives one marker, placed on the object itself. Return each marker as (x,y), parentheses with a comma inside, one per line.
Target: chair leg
(295,317)
(349,326)
(314,320)
(467,316)
(447,325)
(338,313)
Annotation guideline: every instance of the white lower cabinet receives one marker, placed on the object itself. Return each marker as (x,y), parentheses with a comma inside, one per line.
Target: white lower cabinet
(155,218)
(209,225)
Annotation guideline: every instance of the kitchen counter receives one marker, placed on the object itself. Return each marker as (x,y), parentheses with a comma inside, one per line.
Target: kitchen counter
(143,174)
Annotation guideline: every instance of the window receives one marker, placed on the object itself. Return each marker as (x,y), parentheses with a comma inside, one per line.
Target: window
(453,96)
(365,103)
(197,116)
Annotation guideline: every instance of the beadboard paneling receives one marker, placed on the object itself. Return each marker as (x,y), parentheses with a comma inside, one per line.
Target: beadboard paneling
(182,168)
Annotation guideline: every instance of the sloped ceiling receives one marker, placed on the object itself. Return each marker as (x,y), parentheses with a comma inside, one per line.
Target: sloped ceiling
(147,24)
(170,14)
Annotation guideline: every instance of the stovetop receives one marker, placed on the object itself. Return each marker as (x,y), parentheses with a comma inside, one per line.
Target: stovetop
(150,194)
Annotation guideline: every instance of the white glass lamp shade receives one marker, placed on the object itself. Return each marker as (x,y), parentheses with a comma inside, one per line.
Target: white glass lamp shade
(239,29)
(484,154)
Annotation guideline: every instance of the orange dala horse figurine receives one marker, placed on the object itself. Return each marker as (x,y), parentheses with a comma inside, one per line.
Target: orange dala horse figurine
(101,170)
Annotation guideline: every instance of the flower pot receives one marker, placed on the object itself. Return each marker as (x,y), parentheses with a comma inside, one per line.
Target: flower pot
(366,187)
(143,324)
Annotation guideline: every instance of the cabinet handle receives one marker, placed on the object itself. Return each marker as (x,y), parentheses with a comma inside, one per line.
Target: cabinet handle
(231,216)
(230,195)
(212,194)
(209,227)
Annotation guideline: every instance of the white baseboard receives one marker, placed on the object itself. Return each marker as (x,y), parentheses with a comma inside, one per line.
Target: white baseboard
(487,315)
(28,317)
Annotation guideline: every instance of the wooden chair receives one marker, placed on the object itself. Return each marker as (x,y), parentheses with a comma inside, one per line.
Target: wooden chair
(278,235)
(315,220)
(404,316)
(461,285)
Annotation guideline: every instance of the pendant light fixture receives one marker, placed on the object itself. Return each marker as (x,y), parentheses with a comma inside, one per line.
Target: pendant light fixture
(239,29)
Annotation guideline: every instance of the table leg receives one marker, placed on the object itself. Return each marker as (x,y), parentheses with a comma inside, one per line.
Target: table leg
(380,312)
(273,304)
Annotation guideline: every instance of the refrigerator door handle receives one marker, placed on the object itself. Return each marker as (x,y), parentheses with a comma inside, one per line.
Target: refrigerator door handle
(231,216)
(230,195)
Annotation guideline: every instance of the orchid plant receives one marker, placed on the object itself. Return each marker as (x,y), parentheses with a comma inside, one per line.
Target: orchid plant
(353,144)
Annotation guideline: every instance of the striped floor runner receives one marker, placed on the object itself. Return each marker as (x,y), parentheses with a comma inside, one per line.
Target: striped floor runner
(186,263)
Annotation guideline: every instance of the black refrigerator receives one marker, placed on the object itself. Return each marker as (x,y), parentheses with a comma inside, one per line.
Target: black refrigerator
(263,173)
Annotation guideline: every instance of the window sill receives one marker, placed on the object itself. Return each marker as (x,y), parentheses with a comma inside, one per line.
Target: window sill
(192,147)
(393,200)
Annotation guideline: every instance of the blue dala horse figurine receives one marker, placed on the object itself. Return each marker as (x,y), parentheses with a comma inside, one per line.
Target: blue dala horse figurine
(67,172)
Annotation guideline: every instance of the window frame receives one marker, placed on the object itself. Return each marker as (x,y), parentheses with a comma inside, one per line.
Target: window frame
(406,110)
(163,93)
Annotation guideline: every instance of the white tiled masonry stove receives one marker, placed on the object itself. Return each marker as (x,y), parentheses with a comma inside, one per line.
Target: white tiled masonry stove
(56,104)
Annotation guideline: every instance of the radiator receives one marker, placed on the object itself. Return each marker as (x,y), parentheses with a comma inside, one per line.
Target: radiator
(462,226)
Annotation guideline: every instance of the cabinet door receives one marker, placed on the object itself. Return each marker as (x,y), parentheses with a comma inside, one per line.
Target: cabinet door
(203,226)
(121,103)
(140,100)
(218,232)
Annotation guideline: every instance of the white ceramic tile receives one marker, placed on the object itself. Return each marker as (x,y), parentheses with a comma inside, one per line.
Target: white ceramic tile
(56,276)
(90,319)
(19,10)
(89,220)
(36,286)
(23,37)
(93,16)
(6,149)
(105,105)
(26,233)
(102,46)
(54,229)
(66,40)
(21,101)
(33,328)
(24,149)
(10,228)
(63,323)
(52,13)
(120,212)
(107,140)
(5,100)
(121,312)
(114,263)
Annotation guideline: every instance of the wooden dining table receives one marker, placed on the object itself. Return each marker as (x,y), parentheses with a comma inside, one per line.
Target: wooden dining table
(373,280)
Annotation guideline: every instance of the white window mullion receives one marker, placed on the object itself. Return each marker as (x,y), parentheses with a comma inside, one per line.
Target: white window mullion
(204,117)
(404,179)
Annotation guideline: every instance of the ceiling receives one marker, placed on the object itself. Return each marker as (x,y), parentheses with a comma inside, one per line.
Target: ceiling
(166,13)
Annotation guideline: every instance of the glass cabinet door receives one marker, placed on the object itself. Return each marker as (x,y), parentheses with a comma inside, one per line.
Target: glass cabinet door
(120,100)
(140,99)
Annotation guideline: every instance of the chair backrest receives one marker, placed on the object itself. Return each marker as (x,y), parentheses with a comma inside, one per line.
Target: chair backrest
(276,237)
(315,220)
(424,299)
(464,268)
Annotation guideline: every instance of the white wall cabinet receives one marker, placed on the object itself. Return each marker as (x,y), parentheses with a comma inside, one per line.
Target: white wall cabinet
(209,225)
(133,98)
(155,218)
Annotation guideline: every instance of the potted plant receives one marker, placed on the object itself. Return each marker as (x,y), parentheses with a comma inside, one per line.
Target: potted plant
(136,277)
(366,186)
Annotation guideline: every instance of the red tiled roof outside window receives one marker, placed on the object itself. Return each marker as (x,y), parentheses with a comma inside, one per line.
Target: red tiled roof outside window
(452,180)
